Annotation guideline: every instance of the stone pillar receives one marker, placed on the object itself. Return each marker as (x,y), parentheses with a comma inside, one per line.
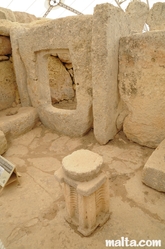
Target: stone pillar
(109,24)
(137,13)
(86,190)
(156,17)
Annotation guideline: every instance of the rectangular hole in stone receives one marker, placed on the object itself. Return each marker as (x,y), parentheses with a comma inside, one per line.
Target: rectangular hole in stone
(61,80)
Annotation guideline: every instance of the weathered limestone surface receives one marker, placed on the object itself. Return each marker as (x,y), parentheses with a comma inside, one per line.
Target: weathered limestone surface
(86,190)
(3,143)
(8,86)
(156,17)
(7,14)
(82,165)
(142,88)
(5,26)
(154,169)
(5,45)
(59,80)
(21,122)
(23,17)
(16,16)
(137,13)
(30,57)
(109,24)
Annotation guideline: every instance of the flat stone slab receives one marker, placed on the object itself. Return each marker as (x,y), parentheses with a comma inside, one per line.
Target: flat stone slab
(82,165)
(154,169)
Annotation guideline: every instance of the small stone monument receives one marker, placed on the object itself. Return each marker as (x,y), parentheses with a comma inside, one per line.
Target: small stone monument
(86,190)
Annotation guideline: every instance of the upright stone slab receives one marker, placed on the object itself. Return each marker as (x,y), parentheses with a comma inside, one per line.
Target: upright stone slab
(8,87)
(32,45)
(109,24)
(156,17)
(137,13)
(154,169)
(142,86)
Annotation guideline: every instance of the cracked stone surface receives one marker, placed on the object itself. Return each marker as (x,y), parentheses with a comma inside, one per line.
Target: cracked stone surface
(32,213)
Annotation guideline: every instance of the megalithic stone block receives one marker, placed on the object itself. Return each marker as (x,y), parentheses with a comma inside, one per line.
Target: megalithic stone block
(30,55)
(109,24)
(154,169)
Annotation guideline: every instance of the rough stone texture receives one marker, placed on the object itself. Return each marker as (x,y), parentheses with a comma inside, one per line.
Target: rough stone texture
(7,14)
(30,60)
(86,190)
(142,88)
(24,120)
(5,45)
(59,80)
(23,17)
(109,24)
(5,26)
(16,16)
(137,13)
(154,169)
(156,17)
(21,77)
(8,86)
(3,143)
(133,205)
(82,165)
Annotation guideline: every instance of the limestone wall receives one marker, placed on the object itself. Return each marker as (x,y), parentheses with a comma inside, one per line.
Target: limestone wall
(142,86)
(9,95)
(142,81)
(104,63)
(8,87)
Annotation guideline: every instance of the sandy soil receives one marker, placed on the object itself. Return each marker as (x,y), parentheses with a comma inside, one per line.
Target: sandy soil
(32,213)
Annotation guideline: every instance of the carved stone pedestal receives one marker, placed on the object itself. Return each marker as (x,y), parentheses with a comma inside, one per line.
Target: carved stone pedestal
(86,190)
